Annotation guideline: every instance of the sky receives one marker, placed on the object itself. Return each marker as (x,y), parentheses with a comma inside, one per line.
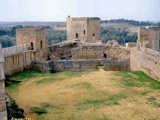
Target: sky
(58,10)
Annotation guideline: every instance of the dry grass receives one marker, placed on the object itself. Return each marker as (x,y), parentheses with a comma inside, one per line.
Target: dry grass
(98,95)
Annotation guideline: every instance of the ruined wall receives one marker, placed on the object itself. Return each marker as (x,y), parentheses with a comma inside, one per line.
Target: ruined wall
(35,40)
(147,61)
(118,53)
(149,37)
(88,52)
(61,50)
(86,29)
(80,65)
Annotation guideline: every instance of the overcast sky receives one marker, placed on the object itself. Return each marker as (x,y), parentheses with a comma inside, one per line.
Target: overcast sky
(58,10)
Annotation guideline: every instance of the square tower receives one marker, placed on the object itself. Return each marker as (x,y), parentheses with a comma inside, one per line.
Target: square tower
(85,29)
(149,37)
(35,40)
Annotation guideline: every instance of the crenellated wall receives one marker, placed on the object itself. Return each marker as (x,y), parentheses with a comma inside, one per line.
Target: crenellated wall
(14,50)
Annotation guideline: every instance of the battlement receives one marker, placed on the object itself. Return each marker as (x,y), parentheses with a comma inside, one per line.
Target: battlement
(84,18)
(14,50)
(31,29)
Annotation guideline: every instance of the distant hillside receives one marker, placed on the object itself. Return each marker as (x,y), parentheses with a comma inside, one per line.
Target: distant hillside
(132,22)
(33,24)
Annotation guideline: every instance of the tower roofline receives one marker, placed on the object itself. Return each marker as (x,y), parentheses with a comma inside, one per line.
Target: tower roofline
(84,18)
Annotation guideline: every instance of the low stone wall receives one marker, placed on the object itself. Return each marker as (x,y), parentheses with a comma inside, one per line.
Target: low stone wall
(80,65)
(147,61)
(18,62)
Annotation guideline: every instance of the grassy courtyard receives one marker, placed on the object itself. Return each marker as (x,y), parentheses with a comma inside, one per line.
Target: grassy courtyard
(96,95)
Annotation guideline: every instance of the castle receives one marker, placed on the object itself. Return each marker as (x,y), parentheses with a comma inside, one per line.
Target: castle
(82,50)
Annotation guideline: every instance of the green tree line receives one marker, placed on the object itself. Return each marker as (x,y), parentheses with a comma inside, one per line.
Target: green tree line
(131,22)
(121,35)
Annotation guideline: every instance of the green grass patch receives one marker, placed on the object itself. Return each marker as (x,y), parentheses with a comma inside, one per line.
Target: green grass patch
(56,77)
(46,105)
(49,80)
(84,85)
(114,99)
(110,100)
(38,110)
(152,100)
(145,93)
(12,85)
(72,74)
(26,75)
(137,79)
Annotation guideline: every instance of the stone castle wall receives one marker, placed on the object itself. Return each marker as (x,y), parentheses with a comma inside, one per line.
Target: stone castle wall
(18,62)
(14,50)
(88,52)
(80,65)
(147,61)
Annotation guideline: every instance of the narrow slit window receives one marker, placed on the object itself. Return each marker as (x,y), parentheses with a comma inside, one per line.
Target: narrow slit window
(32,46)
(76,35)
(41,45)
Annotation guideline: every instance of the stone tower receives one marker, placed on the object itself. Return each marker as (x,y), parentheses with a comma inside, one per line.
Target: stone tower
(85,29)
(35,40)
(149,37)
